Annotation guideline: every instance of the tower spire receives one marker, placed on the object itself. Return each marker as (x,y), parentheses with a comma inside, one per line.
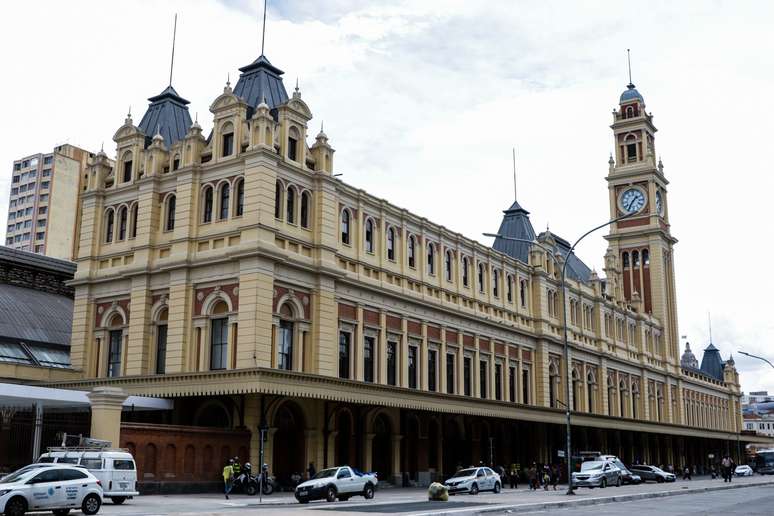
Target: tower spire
(709,321)
(263,29)
(515,191)
(172,60)
(629,62)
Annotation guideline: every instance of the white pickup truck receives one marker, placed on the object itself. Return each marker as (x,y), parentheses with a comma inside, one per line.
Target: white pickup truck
(339,482)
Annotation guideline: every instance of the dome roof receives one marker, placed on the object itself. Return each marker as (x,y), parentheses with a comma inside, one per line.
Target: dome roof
(631,93)
(689,359)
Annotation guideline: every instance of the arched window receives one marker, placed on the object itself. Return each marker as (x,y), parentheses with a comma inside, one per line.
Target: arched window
(219,336)
(391,244)
(448,265)
(430,258)
(635,259)
(645,258)
(225,196)
(625,259)
(133,222)
(369,235)
(285,339)
(290,205)
(123,217)
(176,162)
(278,189)
(109,224)
(465,271)
(227,140)
(345,227)
(169,220)
(306,202)
(481,277)
(240,197)
(293,139)
(629,112)
(590,392)
(161,340)
(207,205)
(509,288)
(523,293)
(496,283)
(412,249)
(127,167)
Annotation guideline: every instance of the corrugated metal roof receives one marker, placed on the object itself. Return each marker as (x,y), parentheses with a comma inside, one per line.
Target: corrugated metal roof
(167,113)
(34,316)
(37,261)
(258,81)
(515,224)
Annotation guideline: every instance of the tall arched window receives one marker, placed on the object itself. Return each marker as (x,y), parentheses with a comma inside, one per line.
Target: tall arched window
(306,202)
(430,258)
(123,218)
(481,277)
(625,260)
(109,224)
(290,205)
(447,265)
(465,271)
(496,283)
(278,189)
(133,222)
(225,198)
(590,392)
(391,243)
(169,220)
(227,139)
(161,340)
(635,259)
(207,205)
(509,288)
(240,197)
(285,339)
(645,258)
(127,167)
(345,227)
(369,236)
(412,251)
(219,337)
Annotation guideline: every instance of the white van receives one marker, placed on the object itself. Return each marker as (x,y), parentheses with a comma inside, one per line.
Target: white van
(115,469)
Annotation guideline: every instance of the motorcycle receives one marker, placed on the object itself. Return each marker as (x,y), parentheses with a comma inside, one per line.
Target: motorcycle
(266,480)
(245,482)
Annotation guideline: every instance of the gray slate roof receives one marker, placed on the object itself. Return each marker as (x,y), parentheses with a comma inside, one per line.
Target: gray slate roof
(258,81)
(711,363)
(515,224)
(576,269)
(32,316)
(167,112)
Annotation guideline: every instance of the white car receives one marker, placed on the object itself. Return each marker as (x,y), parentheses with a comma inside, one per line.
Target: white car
(743,471)
(339,482)
(50,488)
(473,480)
(114,468)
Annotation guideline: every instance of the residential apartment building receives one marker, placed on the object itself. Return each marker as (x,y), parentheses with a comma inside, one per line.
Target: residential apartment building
(44,206)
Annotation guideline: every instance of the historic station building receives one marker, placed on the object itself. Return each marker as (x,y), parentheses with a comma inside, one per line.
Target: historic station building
(235,274)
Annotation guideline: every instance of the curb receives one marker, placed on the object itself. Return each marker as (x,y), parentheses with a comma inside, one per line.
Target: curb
(600,500)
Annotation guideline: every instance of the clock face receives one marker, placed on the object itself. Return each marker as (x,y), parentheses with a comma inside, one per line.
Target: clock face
(632,200)
(659,204)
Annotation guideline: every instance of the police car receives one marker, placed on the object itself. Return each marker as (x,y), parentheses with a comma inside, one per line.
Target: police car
(56,488)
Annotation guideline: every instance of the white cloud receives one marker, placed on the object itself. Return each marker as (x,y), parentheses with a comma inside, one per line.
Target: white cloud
(435,93)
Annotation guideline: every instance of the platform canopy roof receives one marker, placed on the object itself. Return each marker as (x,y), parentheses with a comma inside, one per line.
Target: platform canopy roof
(26,396)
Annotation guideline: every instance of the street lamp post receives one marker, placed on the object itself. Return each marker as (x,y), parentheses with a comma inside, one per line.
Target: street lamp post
(568,379)
(756,356)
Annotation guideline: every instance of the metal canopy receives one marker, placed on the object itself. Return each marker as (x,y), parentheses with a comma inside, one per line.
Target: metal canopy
(26,396)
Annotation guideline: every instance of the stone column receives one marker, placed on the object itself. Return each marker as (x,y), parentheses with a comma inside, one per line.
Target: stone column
(359,345)
(231,348)
(139,336)
(381,375)
(492,364)
(423,359)
(476,369)
(106,404)
(368,447)
(441,365)
(332,447)
(396,472)
(403,363)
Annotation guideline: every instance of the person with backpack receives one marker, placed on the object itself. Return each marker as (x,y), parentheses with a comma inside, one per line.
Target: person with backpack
(228,477)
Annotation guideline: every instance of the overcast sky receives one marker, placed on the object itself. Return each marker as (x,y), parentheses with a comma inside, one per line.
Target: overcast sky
(423,101)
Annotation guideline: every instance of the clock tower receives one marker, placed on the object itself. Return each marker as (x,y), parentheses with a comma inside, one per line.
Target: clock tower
(642,244)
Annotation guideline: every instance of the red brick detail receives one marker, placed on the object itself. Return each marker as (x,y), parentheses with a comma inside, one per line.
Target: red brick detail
(526,354)
(433,333)
(451,336)
(468,342)
(627,284)
(371,317)
(499,349)
(646,288)
(105,306)
(229,290)
(279,293)
(415,328)
(630,223)
(393,323)
(347,312)
(172,453)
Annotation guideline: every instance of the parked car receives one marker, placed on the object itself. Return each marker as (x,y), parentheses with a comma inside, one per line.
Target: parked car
(340,482)
(652,473)
(114,468)
(473,480)
(597,473)
(57,488)
(627,477)
(743,471)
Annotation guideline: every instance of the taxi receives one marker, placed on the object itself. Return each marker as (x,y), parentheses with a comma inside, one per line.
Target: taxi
(54,487)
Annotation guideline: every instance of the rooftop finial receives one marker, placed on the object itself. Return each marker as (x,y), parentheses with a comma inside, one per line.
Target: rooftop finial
(263,29)
(515,191)
(129,114)
(709,321)
(629,62)
(102,147)
(296,83)
(196,117)
(228,80)
(172,61)
(322,126)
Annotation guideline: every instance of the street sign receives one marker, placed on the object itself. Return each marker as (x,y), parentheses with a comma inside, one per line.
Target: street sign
(560,454)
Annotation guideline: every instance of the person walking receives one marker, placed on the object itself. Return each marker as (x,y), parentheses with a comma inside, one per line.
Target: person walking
(532,477)
(310,471)
(228,477)
(513,476)
(546,477)
(725,466)
(554,476)
(687,473)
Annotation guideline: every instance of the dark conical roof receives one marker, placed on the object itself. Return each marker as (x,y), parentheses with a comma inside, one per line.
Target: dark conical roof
(167,113)
(515,224)
(711,363)
(261,80)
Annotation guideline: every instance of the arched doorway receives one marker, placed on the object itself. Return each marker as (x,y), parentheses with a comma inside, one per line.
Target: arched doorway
(288,446)
(213,414)
(344,438)
(381,450)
